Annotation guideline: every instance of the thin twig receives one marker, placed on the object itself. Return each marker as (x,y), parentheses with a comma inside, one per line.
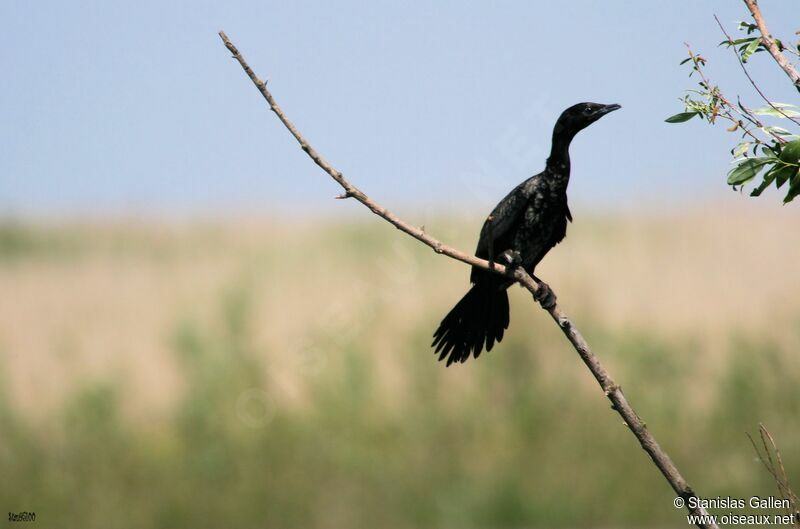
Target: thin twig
(749,78)
(769,43)
(611,389)
(777,471)
(727,105)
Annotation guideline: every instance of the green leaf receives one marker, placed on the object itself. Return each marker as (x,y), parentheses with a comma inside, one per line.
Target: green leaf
(741,106)
(680,118)
(768,178)
(794,189)
(748,26)
(750,49)
(776,113)
(781,173)
(747,170)
(783,105)
(791,152)
(740,149)
(767,151)
(780,131)
(737,41)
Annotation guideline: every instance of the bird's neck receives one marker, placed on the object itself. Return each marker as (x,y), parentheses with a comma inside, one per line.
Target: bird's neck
(558,162)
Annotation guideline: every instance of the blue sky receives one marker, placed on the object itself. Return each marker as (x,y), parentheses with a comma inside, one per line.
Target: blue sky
(116,108)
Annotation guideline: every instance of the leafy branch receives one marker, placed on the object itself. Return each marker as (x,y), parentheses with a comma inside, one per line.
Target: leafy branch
(762,147)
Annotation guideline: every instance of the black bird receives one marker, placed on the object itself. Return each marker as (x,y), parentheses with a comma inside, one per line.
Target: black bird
(521,229)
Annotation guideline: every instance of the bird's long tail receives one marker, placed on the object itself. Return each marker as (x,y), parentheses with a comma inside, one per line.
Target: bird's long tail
(479,318)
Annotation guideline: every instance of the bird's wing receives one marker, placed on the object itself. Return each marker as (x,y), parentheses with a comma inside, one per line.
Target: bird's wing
(503,218)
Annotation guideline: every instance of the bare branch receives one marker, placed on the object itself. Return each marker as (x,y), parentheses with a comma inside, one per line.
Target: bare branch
(609,387)
(769,43)
(351,191)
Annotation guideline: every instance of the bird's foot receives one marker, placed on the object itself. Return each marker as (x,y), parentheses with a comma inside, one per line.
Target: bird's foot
(512,258)
(544,295)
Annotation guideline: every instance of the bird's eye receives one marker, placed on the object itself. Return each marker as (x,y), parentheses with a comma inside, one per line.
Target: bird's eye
(587,110)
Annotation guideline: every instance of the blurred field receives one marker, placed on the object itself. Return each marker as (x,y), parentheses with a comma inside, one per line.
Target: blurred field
(270,374)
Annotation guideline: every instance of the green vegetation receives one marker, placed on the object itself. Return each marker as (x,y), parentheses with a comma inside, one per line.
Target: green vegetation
(764,142)
(380,435)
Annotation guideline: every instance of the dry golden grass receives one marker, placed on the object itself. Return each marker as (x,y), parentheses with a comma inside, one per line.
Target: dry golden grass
(128,348)
(91,300)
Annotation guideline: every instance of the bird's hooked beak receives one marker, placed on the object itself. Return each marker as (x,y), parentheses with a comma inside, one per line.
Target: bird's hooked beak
(606,109)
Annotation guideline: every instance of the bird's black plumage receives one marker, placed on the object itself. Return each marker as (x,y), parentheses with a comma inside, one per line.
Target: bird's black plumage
(521,229)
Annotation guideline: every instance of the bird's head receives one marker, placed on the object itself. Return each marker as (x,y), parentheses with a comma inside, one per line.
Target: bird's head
(578,117)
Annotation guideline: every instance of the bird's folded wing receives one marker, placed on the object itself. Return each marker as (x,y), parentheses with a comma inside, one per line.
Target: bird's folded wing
(502,219)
